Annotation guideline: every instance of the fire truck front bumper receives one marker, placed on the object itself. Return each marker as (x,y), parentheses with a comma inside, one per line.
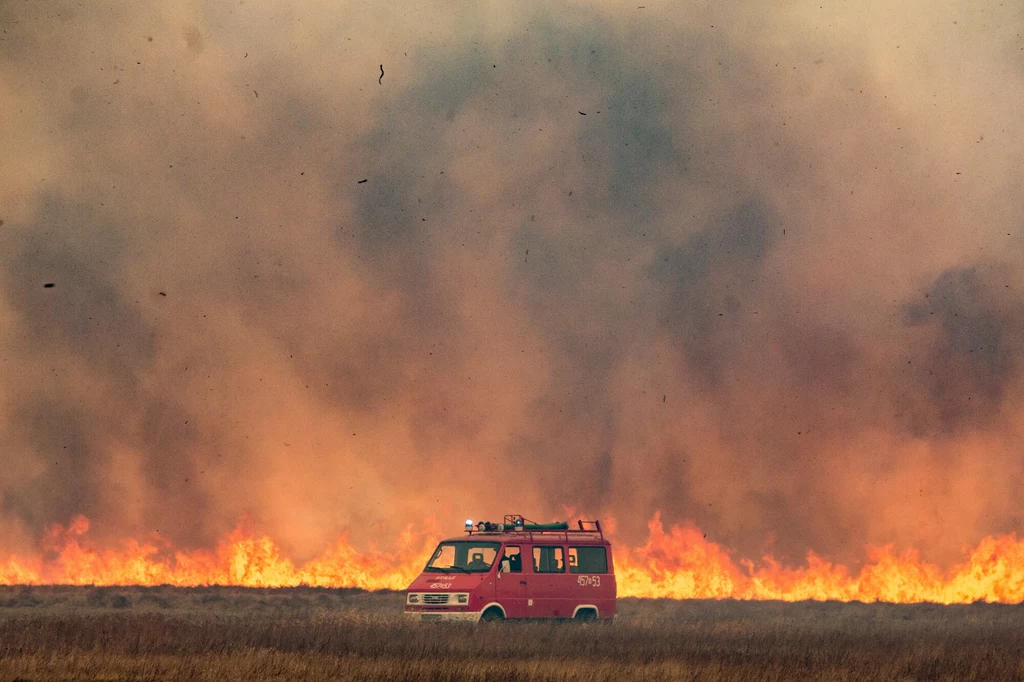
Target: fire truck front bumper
(443,616)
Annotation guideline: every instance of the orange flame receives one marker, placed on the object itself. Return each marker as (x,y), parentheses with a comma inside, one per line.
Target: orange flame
(682,564)
(678,563)
(241,559)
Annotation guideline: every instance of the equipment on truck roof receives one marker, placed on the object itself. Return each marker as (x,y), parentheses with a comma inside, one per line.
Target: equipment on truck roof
(515,523)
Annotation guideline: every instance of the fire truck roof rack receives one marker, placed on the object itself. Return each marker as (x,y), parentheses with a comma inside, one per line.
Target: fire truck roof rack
(516,523)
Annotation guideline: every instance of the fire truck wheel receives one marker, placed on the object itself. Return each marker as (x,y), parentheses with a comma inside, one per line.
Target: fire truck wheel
(492,615)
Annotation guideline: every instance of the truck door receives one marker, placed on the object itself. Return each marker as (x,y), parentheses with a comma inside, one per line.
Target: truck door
(511,588)
(594,585)
(549,589)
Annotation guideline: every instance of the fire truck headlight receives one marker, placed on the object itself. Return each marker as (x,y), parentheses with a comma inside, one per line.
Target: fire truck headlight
(462,598)
(413,599)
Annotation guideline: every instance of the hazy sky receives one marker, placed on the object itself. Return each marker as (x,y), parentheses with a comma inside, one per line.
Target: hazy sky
(756,265)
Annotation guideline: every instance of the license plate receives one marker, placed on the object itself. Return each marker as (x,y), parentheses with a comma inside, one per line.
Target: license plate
(431,616)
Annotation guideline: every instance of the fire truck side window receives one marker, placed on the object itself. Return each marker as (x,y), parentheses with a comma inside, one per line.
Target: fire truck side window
(548,560)
(512,560)
(588,560)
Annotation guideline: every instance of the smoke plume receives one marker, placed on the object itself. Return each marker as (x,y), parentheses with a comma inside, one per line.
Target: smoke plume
(751,265)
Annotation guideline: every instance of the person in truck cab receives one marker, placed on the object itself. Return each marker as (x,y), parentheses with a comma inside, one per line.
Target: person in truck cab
(512,561)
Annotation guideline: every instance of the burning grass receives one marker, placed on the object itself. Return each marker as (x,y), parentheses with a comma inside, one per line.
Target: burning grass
(677,563)
(231,633)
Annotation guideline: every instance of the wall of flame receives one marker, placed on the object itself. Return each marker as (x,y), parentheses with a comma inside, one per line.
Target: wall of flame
(677,563)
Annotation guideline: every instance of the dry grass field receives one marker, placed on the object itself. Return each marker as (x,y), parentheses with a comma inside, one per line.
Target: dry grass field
(219,633)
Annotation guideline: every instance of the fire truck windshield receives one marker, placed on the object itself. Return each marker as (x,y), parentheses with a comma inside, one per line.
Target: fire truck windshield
(464,556)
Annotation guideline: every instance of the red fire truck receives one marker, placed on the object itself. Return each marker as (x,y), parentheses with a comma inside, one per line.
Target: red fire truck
(517,569)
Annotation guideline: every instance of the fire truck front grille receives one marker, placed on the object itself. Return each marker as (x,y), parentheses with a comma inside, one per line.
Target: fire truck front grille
(435,599)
